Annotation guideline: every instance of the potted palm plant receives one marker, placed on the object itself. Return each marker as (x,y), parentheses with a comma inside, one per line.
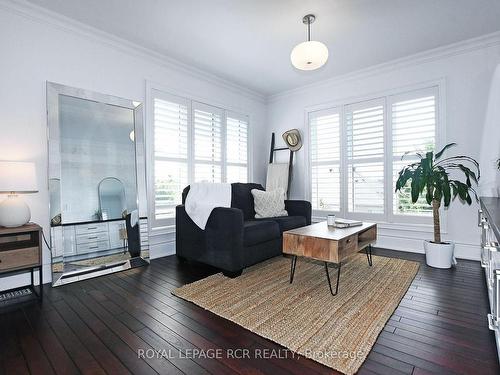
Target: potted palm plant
(433,177)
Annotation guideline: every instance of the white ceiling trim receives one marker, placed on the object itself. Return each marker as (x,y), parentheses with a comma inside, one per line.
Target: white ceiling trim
(43,15)
(434,54)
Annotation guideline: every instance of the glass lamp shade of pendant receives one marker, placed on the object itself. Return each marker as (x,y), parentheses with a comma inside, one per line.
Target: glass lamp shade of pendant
(309,55)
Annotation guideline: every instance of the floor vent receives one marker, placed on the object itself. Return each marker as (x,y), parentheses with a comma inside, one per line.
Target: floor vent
(6,296)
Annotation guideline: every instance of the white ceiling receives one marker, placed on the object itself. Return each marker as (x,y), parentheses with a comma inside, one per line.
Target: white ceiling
(249,41)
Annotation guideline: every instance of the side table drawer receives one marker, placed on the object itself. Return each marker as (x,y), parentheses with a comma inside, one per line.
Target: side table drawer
(19,258)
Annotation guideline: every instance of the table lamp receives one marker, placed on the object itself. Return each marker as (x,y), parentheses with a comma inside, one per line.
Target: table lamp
(16,178)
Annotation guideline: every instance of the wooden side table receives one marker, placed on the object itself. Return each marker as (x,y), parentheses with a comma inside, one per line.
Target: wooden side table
(21,250)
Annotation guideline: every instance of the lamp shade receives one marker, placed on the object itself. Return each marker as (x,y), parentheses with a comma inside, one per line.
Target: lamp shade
(17,177)
(309,55)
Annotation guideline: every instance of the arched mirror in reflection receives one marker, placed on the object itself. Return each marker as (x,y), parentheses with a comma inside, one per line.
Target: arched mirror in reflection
(112,200)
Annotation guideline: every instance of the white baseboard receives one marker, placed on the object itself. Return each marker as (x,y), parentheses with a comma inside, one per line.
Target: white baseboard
(164,249)
(414,245)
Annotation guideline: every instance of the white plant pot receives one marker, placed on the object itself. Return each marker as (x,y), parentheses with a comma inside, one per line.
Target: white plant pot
(439,255)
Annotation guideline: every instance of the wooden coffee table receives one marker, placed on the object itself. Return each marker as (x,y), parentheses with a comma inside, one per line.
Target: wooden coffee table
(329,245)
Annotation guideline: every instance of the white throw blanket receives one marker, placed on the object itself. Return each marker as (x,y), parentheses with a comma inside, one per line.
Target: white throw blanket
(203,197)
(277,177)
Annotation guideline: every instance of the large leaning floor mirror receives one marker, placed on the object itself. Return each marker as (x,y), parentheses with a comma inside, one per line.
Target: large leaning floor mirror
(97,184)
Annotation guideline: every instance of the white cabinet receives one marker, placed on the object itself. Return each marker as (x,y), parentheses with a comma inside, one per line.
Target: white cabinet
(490,261)
(93,237)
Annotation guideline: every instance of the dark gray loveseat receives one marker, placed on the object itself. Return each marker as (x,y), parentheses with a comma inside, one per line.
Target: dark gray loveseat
(233,239)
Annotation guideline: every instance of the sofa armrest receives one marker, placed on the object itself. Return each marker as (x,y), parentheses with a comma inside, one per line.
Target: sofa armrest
(299,208)
(189,238)
(224,238)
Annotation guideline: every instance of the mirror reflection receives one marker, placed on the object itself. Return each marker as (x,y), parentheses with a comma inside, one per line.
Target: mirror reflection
(112,201)
(94,183)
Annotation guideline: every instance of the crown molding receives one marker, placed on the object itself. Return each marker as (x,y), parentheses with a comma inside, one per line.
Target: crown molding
(434,54)
(42,15)
(56,20)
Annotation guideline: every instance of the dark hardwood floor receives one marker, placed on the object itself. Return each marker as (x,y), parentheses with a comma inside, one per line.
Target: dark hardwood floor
(97,326)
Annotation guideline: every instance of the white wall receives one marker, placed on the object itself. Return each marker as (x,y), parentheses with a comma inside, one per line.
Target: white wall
(467,71)
(38,47)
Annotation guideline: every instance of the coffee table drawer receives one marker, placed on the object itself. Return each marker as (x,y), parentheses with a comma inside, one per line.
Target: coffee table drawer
(348,246)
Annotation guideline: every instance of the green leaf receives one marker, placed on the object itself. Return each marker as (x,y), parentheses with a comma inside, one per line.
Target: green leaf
(440,153)
(415,187)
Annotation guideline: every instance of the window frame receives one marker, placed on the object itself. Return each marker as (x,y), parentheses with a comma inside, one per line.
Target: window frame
(390,219)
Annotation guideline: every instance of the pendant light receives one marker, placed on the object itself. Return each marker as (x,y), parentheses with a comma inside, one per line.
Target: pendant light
(309,55)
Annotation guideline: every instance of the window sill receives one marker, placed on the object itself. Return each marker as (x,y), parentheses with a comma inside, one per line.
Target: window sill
(163,230)
(404,227)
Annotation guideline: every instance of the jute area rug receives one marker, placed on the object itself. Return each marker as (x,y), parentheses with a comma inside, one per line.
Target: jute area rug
(304,317)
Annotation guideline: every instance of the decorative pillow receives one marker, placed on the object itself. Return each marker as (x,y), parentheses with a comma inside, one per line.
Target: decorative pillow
(269,203)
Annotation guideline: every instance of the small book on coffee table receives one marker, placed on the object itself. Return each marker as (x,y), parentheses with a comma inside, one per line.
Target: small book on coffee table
(344,223)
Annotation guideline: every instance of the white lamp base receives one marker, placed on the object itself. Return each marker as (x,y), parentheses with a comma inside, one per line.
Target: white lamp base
(14,212)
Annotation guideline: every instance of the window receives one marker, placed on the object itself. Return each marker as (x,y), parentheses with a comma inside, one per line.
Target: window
(237,148)
(170,154)
(356,150)
(193,142)
(325,159)
(365,157)
(207,122)
(413,119)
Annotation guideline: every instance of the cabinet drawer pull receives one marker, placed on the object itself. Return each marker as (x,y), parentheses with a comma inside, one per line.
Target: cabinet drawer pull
(94,247)
(92,238)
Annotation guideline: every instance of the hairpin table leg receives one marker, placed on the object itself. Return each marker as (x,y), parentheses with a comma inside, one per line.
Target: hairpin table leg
(292,267)
(368,250)
(338,278)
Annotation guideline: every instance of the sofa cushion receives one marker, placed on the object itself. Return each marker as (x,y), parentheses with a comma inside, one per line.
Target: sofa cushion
(269,203)
(242,198)
(258,231)
(287,222)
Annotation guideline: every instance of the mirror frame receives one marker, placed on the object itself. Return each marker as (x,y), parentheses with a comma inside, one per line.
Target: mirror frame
(53,131)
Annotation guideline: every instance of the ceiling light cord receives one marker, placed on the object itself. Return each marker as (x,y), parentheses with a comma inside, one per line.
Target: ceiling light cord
(309,30)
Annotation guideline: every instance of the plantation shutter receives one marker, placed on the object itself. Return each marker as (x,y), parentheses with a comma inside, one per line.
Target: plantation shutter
(207,122)
(365,157)
(413,118)
(170,153)
(324,127)
(236,148)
